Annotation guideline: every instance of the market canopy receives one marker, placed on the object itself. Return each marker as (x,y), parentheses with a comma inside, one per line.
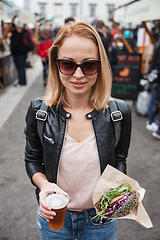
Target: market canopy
(8,8)
(144,10)
(26,17)
(3,12)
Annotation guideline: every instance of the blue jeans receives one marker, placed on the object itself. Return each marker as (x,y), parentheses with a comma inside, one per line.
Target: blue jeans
(153,107)
(20,62)
(78,225)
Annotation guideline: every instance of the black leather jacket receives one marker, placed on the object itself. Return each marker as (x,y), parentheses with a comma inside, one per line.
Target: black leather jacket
(45,159)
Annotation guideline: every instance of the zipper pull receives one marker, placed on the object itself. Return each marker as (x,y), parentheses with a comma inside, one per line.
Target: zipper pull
(49,139)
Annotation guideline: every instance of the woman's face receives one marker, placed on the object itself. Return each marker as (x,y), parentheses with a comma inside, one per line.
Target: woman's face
(78,49)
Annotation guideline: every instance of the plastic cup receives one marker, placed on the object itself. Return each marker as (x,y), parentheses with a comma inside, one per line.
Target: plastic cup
(58,204)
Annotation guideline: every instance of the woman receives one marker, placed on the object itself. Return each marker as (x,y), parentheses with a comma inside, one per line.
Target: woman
(78,137)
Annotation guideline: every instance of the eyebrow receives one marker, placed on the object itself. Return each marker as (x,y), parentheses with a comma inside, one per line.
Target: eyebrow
(85,59)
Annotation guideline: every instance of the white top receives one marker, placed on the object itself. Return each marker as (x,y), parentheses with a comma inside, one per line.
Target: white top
(79,171)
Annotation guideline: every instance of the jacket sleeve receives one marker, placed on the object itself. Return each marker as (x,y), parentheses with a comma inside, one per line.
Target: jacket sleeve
(121,151)
(33,150)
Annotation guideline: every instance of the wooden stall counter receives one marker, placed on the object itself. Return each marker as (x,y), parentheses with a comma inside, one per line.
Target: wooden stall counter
(8,72)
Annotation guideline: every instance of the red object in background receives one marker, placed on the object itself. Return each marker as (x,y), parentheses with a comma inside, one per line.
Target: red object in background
(28,40)
(114,31)
(42,47)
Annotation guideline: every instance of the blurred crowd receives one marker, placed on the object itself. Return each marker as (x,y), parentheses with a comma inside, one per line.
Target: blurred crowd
(111,38)
(43,36)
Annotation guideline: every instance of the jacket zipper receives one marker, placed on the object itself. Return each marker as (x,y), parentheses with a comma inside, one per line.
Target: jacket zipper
(96,145)
(49,139)
(61,150)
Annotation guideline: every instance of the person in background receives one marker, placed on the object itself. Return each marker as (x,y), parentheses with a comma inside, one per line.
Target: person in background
(155,33)
(29,44)
(141,35)
(78,135)
(101,29)
(128,33)
(44,43)
(19,54)
(68,20)
(155,94)
(112,51)
(114,32)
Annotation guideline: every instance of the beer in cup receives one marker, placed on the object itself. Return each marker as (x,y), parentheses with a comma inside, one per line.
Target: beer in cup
(58,204)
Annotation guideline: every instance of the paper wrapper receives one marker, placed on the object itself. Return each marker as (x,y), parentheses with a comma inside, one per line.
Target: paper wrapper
(113,178)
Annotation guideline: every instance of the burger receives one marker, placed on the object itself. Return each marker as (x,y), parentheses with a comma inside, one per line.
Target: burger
(117,202)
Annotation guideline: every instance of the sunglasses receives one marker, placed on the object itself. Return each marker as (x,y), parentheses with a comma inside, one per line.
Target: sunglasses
(88,67)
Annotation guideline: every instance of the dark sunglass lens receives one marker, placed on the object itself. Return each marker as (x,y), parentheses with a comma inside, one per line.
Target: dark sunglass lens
(90,67)
(66,66)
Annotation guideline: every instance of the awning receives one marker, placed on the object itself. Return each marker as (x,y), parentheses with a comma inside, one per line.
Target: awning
(3,12)
(26,17)
(144,10)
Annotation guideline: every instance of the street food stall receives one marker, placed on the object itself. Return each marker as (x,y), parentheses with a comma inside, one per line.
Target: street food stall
(143,12)
(7,68)
(131,65)
(8,72)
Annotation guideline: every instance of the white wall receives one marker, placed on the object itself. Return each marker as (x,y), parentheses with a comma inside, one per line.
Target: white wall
(82,9)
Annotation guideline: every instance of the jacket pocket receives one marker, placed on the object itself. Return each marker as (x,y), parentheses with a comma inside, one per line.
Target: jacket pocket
(50,140)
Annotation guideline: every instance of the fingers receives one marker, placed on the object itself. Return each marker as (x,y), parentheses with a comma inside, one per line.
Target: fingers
(45,209)
(47,189)
(47,214)
(44,205)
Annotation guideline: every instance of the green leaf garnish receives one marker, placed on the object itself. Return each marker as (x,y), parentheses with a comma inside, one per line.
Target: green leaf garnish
(107,197)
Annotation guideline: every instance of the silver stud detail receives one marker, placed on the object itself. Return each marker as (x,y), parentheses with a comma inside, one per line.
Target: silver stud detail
(89,115)
(68,115)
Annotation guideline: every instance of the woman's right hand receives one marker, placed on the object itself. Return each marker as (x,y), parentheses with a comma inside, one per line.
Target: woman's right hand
(45,209)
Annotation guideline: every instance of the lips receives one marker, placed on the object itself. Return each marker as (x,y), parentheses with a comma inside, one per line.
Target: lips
(78,84)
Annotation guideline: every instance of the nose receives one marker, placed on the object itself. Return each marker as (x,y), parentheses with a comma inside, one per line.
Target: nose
(78,73)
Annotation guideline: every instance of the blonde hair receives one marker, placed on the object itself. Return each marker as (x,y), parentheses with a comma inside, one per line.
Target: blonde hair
(101,91)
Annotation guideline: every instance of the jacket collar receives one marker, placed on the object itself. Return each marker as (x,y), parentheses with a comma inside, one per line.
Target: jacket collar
(67,115)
